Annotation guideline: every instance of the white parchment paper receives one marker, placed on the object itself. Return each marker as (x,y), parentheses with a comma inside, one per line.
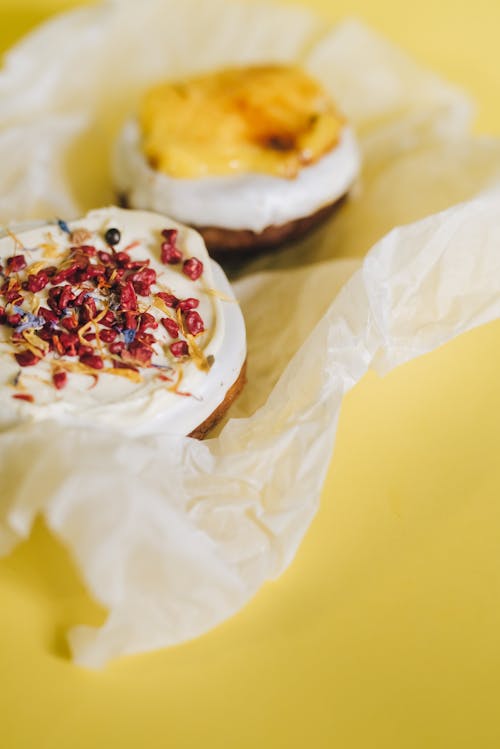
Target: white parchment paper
(173,536)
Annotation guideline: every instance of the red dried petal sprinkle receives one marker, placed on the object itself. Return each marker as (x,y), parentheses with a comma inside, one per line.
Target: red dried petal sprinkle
(85,249)
(60,379)
(26,358)
(147,321)
(105,257)
(14,298)
(146,275)
(88,310)
(92,360)
(46,333)
(192,268)
(128,299)
(84,350)
(186,304)
(107,335)
(142,289)
(93,271)
(66,296)
(140,353)
(80,298)
(24,397)
(37,282)
(68,274)
(130,320)
(142,281)
(170,234)
(70,322)
(171,326)
(179,349)
(137,264)
(194,323)
(169,299)
(117,348)
(70,343)
(122,258)
(147,338)
(53,298)
(170,253)
(16,263)
(13,319)
(109,319)
(48,315)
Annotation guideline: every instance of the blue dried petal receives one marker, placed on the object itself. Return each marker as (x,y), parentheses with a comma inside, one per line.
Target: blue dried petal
(29,322)
(163,366)
(63,226)
(129,335)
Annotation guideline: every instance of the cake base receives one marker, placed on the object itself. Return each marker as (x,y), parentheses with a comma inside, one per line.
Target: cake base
(222,241)
(216,416)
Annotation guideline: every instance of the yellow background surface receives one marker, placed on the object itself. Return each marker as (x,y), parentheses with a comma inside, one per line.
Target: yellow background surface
(385,631)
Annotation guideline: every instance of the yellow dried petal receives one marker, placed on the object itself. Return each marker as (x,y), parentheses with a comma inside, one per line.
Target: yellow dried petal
(130,374)
(160,304)
(220,295)
(35,343)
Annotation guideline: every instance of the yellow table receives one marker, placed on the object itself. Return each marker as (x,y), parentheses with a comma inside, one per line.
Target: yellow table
(385,631)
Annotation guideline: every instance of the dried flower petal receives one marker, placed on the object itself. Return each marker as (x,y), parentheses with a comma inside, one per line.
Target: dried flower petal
(92,360)
(60,379)
(26,358)
(171,326)
(169,299)
(194,323)
(192,268)
(80,236)
(16,263)
(24,397)
(179,349)
(189,303)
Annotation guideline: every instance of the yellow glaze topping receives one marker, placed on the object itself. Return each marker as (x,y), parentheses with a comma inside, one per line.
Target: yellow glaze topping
(271,119)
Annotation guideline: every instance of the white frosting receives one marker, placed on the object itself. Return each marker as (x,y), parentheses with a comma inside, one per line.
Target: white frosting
(249,201)
(116,403)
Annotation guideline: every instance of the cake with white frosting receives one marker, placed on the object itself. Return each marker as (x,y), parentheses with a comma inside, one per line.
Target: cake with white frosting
(250,156)
(119,320)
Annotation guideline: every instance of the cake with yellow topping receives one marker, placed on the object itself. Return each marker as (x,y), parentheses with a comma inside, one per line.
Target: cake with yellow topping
(119,320)
(250,156)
